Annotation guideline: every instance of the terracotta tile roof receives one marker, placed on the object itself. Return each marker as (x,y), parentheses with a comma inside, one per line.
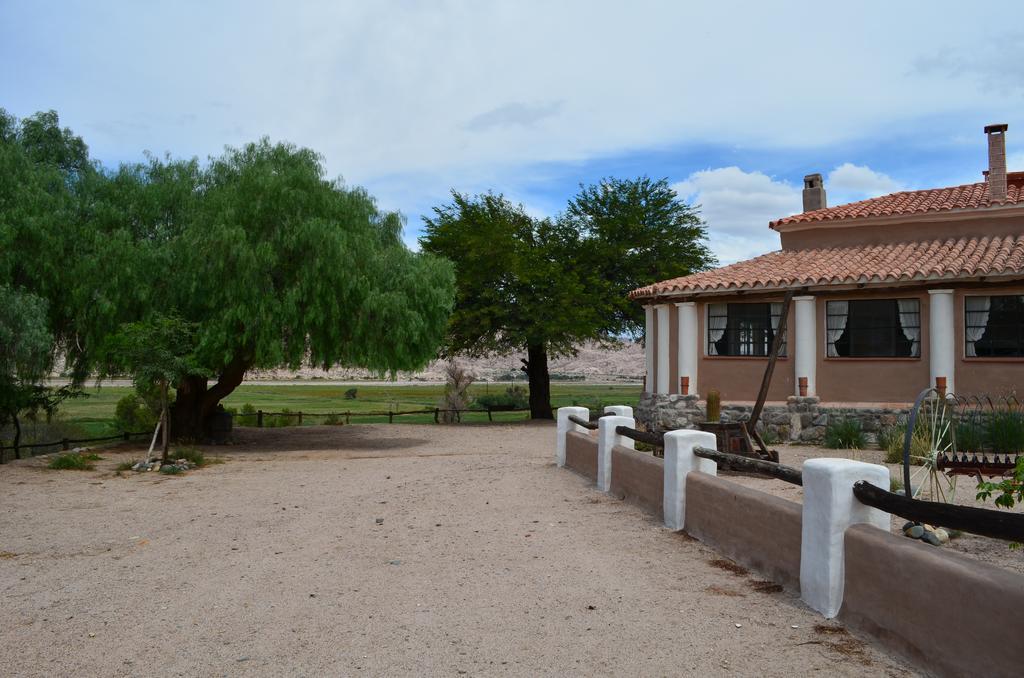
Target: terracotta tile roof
(895,262)
(968,196)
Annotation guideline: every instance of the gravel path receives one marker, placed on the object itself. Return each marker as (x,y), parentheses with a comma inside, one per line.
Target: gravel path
(379,550)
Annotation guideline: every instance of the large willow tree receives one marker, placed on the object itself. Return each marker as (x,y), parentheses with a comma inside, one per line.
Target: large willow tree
(273,263)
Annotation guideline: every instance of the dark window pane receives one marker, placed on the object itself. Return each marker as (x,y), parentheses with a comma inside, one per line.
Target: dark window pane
(876,328)
(742,329)
(1002,336)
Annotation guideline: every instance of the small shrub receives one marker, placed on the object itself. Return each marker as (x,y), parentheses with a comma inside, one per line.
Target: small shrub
(332,419)
(171,470)
(895,484)
(133,414)
(890,436)
(248,408)
(350,394)
(845,434)
(190,454)
(456,388)
(970,437)
(514,398)
(1005,431)
(770,437)
(73,461)
(920,444)
(126,465)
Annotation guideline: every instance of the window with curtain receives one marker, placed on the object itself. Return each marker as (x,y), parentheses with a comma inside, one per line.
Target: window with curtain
(873,328)
(994,326)
(743,329)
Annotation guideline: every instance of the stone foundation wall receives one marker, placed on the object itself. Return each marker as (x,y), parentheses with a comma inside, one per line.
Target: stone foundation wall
(801,419)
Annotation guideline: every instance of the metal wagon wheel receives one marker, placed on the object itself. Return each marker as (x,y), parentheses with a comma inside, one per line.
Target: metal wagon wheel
(929,441)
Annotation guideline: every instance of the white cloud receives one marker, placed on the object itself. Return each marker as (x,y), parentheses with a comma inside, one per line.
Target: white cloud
(850,182)
(737,206)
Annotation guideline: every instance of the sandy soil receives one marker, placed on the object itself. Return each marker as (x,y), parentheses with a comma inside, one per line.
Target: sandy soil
(376,550)
(992,551)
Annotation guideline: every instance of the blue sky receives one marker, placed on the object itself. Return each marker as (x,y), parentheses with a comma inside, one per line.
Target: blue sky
(732,102)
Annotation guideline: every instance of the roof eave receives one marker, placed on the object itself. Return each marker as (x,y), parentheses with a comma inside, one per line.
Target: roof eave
(958,214)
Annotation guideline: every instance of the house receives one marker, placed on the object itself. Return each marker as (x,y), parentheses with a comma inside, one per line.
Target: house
(892,295)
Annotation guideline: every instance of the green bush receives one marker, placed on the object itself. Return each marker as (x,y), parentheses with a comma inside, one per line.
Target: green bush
(171,470)
(350,394)
(73,461)
(1005,431)
(893,437)
(248,408)
(514,398)
(189,454)
(332,419)
(133,414)
(844,434)
(970,436)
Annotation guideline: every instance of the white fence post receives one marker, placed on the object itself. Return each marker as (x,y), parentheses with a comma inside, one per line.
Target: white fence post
(679,461)
(607,438)
(619,410)
(564,426)
(830,508)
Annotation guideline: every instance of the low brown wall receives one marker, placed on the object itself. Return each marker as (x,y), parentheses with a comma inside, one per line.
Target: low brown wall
(755,529)
(950,614)
(639,478)
(581,453)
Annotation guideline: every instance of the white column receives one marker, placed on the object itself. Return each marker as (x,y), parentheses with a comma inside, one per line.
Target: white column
(663,348)
(689,342)
(942,337)
(830,508)
(607,438)
(805,349)
(564,426)
(679,462)
(649,342)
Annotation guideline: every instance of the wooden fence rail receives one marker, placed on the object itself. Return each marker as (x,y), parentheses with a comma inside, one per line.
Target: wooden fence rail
(738,462)
(260,415)
(66,443)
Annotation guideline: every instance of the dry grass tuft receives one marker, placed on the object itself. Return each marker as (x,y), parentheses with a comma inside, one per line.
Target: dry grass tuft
(764,586)
(722,591)
(729,566)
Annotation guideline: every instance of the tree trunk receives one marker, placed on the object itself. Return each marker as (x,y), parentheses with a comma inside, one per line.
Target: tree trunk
(536,368)
(17,436)
(166,419)
(197,400)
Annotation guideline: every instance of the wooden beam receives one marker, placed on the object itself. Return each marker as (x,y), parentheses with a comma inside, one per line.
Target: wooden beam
(984,522)
(766,381)
(751,465)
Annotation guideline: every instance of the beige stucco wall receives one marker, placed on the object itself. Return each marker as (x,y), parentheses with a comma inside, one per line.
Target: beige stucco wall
(739,378)
(639,478)
(884,234)
(581,453)
(954,615)
(887,380)
(753,528)
(994,376)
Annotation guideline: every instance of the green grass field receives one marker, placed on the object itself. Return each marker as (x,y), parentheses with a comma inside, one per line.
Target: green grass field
(94,414)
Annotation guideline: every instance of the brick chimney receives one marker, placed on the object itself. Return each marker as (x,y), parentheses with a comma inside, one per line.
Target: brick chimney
(814,192)
(996,175)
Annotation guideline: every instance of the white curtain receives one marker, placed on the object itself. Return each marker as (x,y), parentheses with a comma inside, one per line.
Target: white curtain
(837,313)
(910,323)
(977,321)
(718,318)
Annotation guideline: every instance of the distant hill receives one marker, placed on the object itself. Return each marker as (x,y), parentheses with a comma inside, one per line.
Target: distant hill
(591,363)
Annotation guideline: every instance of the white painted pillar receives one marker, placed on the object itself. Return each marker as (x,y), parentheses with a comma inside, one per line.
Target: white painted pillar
(649,341)
(830,508)
(619,410)
(805,349)
(607,438)
(689,343)
(664,377)
(679,462)
(942,337)
(564,426)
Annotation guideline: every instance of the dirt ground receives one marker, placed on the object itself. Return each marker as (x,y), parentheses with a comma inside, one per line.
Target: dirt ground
(379,550)
(991,551)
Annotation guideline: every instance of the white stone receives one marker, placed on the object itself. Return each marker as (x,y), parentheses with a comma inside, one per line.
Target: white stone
(664,377)
(564,426)
(679,462)
(619,410)
(607,438)
(941,337)
(829,508)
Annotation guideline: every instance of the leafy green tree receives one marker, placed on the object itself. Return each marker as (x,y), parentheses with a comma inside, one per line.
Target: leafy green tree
(273,263)
(544,286)
(25,360)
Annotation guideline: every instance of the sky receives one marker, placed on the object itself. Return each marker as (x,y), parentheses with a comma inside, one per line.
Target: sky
(731,102)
